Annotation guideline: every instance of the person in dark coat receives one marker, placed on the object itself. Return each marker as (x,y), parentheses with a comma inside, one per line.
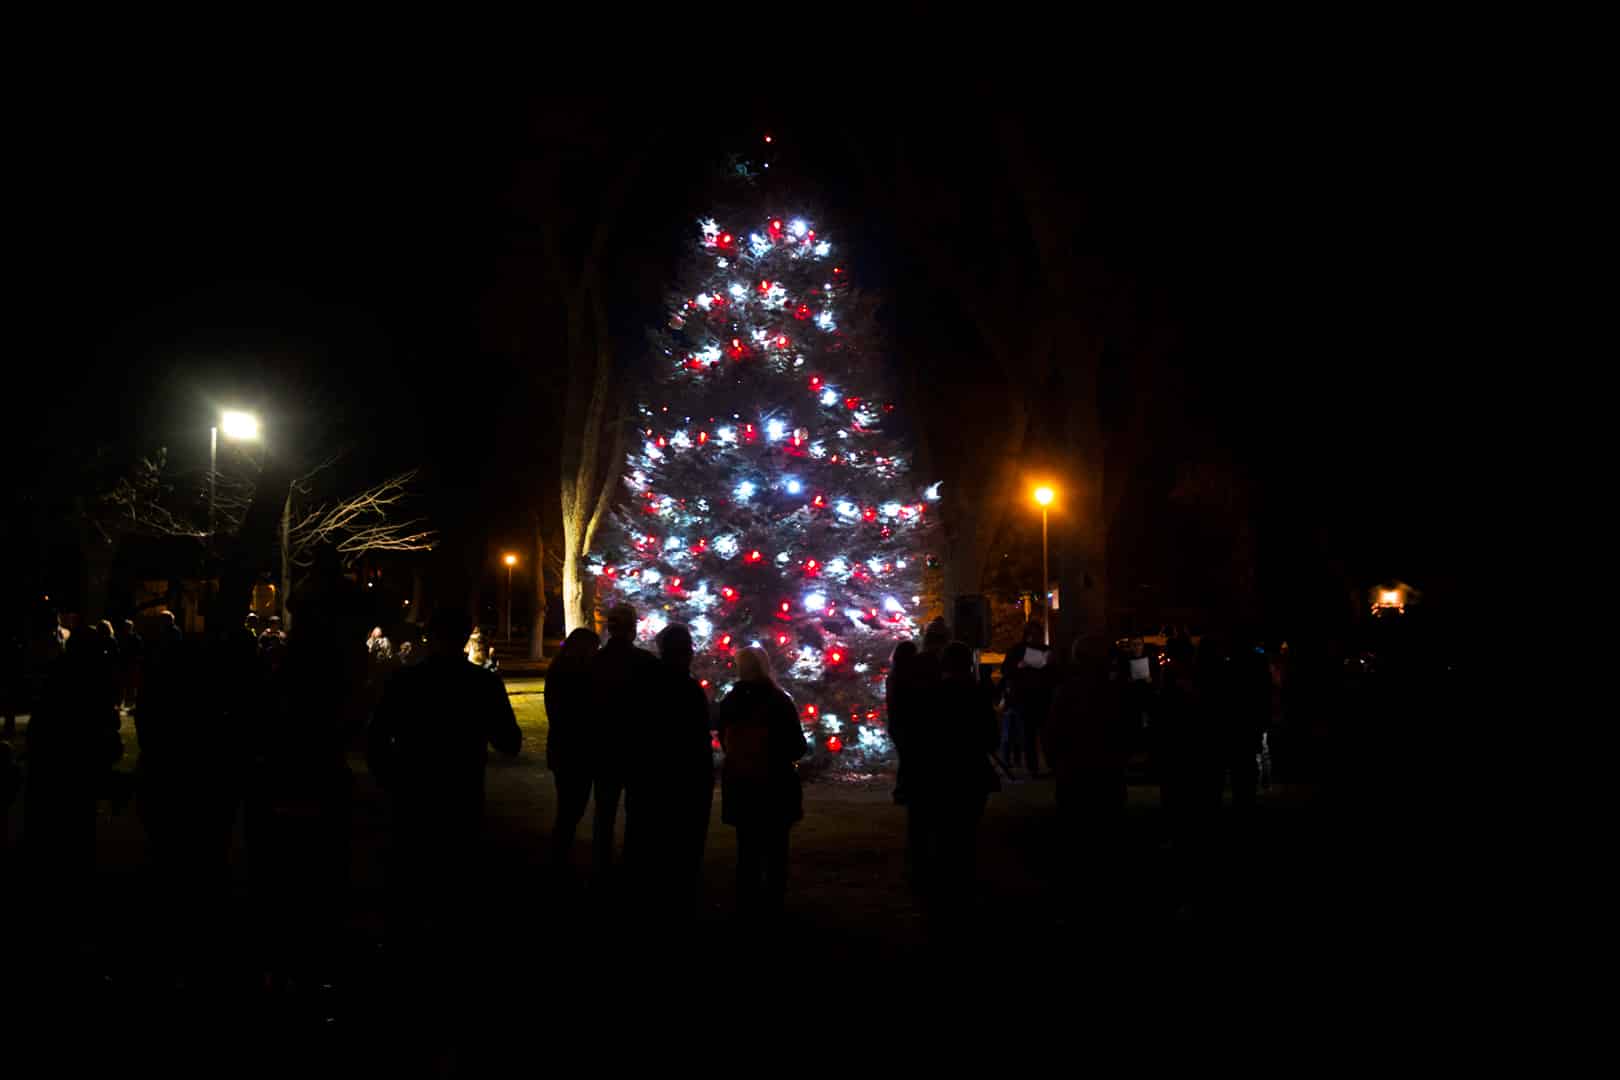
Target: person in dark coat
(1178,741)
(299,793)
(899,704)
(1088,739)
(131,654)
(568,736)
(951,774)
(428,748)
(10,784)
(672,783)
(1241,713)
(759,780)
(1027,678)
(169,633)
(72,743)
(622,678)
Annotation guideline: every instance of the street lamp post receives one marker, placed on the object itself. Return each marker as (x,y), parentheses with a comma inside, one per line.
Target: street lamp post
(510,560)
(242,426)
(1044,496)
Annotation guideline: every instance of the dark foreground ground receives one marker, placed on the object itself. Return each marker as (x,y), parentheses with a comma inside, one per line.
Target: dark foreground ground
(1293,896)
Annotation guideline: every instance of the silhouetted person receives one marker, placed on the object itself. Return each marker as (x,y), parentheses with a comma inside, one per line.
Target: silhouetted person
(760,793)
(672,784)
(899,702)
(10,784)
(621,684)
(1241,711)
(569,718)
(169,635)
(200,707)
(131,657)
(1088,741)
(428,749)
(1179,742)
(951,775)
(1027,678)
(299,796)
(917,688)
(72,744)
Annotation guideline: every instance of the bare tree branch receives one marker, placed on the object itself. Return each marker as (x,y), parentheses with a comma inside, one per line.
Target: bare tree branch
(359,524)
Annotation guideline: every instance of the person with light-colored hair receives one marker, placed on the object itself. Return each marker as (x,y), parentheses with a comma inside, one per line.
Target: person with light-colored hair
(759,781)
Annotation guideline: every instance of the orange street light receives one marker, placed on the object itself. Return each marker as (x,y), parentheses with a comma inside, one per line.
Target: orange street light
(1044,496)
(510,560)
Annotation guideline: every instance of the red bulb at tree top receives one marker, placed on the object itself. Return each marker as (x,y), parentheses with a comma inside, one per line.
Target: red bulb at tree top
(810,711)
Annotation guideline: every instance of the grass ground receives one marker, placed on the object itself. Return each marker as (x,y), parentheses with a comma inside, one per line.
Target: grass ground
(851,922)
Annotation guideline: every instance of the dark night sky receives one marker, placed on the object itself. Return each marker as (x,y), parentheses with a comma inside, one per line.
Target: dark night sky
(191,246)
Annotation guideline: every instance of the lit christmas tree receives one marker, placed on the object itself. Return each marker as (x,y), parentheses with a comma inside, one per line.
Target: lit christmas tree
(770,501)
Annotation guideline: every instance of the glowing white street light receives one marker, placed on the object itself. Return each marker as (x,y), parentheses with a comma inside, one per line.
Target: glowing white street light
(238,425)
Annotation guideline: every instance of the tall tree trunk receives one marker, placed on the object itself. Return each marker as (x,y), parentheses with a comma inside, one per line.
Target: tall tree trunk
(576,596)
(590,470)
(284,532)
(418,616)
(537,633)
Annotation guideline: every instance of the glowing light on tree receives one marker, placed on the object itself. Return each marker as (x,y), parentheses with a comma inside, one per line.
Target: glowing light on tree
(763,478)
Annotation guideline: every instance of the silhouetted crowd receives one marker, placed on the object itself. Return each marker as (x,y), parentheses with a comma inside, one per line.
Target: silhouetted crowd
(258,722)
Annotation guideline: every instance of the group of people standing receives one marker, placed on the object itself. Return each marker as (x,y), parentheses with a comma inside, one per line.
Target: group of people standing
(625,723)
(944,726)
